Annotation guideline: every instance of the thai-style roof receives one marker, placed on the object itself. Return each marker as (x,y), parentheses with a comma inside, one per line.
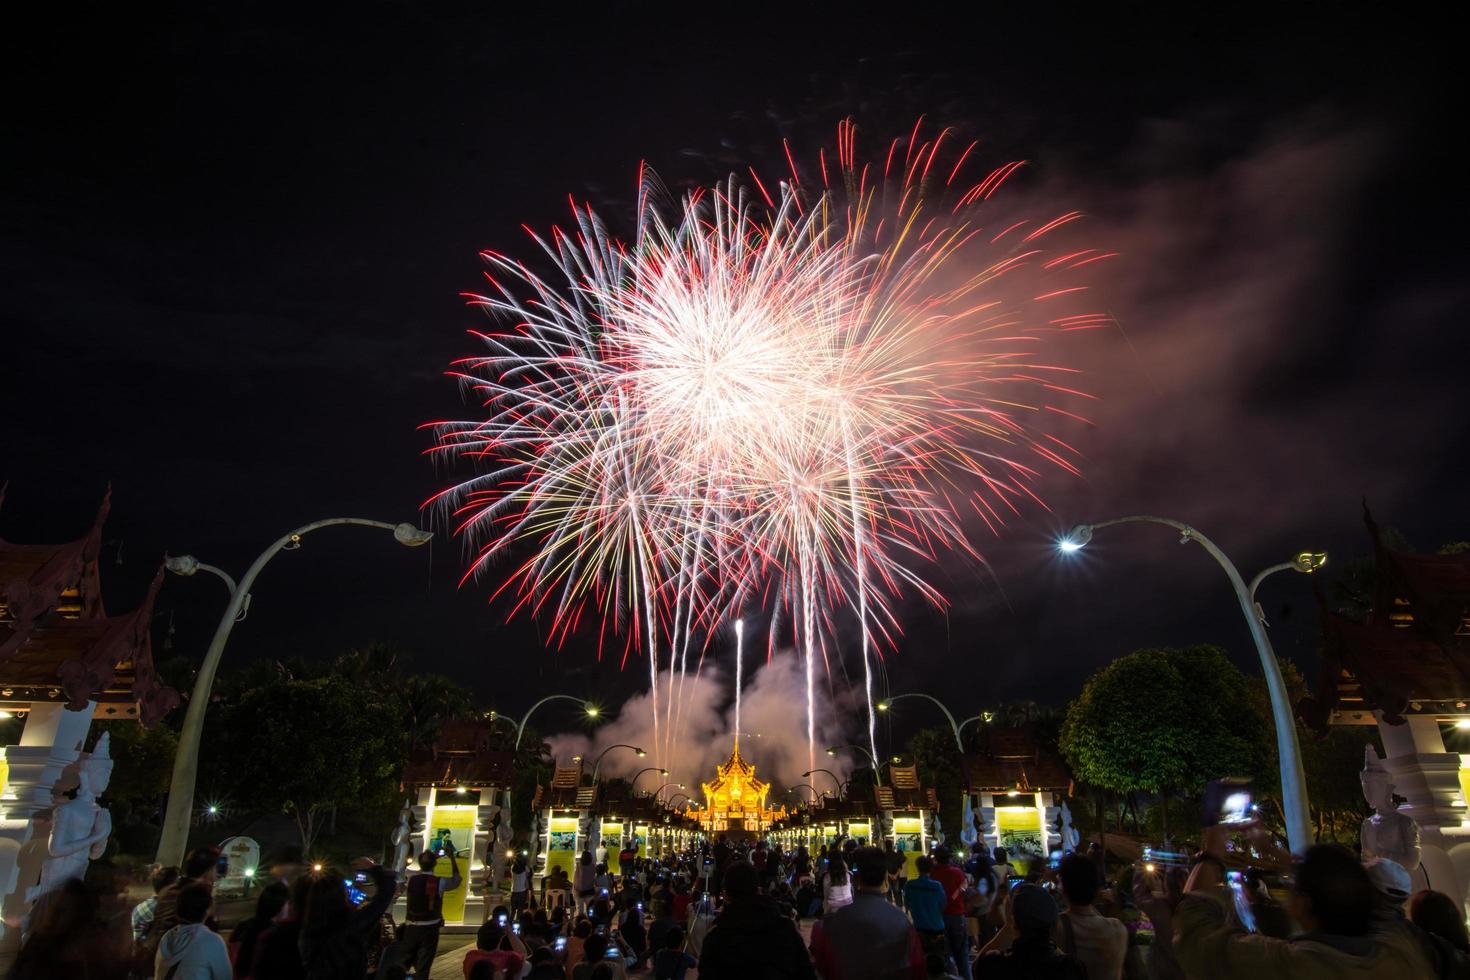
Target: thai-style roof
(1412,653)
(1014,758)
(37,580)
(736,792)
(460,756)
(566,791)
(58,644)
(904,791)
(735,780)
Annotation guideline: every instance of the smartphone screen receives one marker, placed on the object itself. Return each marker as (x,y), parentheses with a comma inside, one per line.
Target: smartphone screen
(561,943)
(355,895)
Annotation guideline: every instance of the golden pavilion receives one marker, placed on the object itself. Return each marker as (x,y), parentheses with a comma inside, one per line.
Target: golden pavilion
(735,801)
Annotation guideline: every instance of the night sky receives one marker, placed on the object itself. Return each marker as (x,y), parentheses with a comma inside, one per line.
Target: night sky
(234,243)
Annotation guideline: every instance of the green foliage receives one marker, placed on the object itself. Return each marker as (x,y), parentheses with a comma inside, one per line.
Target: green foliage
(1163,721)
(321,741)
(302,746)
(143,762)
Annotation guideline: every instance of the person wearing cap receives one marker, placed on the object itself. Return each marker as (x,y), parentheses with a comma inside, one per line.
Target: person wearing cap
(1334,901)
(869,939)
(1394,885)
(1030,917)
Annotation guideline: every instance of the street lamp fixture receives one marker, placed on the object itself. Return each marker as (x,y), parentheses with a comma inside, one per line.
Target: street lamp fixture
(835,781)
(175,831)
(1293,776)
(634,781)
(956,727)
(597,765)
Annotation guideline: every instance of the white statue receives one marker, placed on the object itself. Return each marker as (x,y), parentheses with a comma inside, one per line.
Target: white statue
(1387,833)
(1068,833)
(403,840)
(79,827)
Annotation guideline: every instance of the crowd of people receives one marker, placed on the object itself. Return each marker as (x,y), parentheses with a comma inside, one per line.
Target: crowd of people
(736,911)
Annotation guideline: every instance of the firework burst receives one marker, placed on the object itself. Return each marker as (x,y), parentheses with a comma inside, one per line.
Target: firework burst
(787,402)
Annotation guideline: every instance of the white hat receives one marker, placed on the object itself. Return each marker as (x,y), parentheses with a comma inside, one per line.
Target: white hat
(1390,878)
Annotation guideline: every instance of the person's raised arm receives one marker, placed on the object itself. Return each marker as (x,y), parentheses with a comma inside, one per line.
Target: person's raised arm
(454,875)
(384,883)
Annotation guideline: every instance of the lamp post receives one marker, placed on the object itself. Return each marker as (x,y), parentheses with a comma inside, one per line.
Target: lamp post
(633,783)
(832,750)
(673,799)
(175,833)
(597,765)
(835,781)
(654,794)
(1293,776)
(954,726)
(591,710)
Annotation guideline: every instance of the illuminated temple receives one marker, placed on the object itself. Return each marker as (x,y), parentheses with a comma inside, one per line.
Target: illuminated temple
(735,801)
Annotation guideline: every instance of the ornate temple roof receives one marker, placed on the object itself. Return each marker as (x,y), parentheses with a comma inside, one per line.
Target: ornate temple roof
(460,756)
(58,644)
(735,772)
(904,791)
(1014,758)
(1411,654)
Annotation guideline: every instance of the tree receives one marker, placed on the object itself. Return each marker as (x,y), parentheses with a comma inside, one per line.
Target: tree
(304,746)
(1163,721)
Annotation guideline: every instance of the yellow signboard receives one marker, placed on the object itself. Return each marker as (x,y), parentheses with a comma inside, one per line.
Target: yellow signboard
(454,826)
(1019,829)
(561,847)
(640,837)
(908,840)
(612,839)
(860,832)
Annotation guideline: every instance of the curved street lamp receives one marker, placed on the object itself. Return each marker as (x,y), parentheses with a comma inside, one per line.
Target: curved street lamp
(832,750)
(835,781)
(633,783)
(675,798)
(954,726)
(591,710)
(1293,776)
(665,786)
(175,833)
(597,765)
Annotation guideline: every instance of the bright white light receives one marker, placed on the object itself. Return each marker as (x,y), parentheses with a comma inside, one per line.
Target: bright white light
(1068,546)
(250,872)
(1463,724)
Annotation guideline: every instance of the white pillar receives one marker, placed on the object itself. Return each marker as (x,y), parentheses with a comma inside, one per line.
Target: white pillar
(1428,777)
